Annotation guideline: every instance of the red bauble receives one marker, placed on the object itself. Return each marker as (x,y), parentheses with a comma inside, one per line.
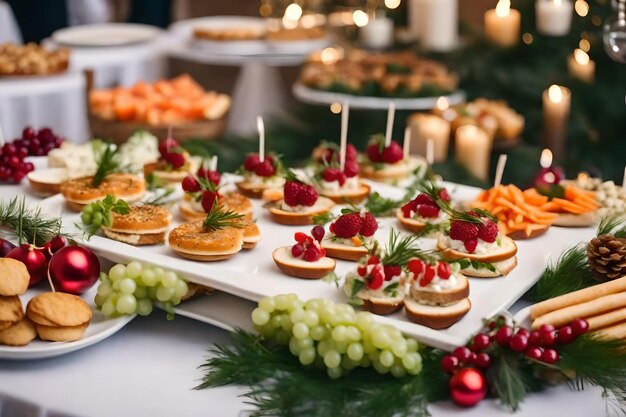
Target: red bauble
(35,261)
(74,269)
(468,387)
(5,247)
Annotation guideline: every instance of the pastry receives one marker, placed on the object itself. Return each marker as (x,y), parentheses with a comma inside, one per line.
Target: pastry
(300,203)
(59,317)
(32,59)
(260,176)
(10,309)
(14,277)
(251,234)
(350,235)
(144,224)
(476,243)
(305,259)
(219,236)
(81,191)
(47,182)
(387,163)
(424,214)
(19,334)
(174,165)
(438,294)
(296,34)
(341,186)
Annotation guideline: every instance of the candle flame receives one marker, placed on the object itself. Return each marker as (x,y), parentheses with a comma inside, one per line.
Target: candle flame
(335,108)
(546,158)
(293,11)
(360,18)
(503,8)
(392,4)
(555,93)
(442,103)
(581,57)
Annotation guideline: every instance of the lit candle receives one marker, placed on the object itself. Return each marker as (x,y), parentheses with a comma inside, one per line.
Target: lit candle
(213,164)
(406,145)
(261,128)
(502,24)
(580,66)
(343,140)
(473,147)
(548,175)
(556,108)
(553,17)
(435,23)
(390,116)
(427,126)
(377,33)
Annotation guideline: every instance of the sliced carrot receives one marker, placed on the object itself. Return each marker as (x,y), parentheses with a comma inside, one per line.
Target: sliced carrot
(356,241)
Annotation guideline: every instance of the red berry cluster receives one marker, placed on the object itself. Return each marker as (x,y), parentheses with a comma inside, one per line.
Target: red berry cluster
(330,157)
(425,273)
(375,273)
(206,181)
(253,164)
(308,247)
(350,224)
(297,193)
(37,143)
(330,154)
(537,345)
(469,232)
(389,155)
(424,205)
(172,153)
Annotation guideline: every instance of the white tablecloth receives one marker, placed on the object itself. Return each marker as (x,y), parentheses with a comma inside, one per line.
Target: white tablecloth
(149,368)
(9,31)
(56,101)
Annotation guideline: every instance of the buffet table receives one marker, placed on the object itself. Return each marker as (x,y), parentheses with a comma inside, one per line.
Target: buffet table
(150,367)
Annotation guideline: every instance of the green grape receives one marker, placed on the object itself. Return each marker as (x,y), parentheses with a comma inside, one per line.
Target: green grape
(399,348)
(286,323)
(180,288)
(281,302)
(96,219)
(116,285)
(334,373)
(366,362)
(379,367)
(164,294)
(300,331)
(105,289)
(398,371)
(318,333)
(297,316)
(260,317)
(169,279)
(364,320)
(352,333)
(152,293)
(126,304)
(311,318)
(381,339)
(127,285)
(133,269)
(307,356)
(175,300)
(149,277)
(144,306)
(293,347)
(332,358)
(305,343)
(355,351)
(108,307)
(85,218)
(322,348)
(341,346)
(275,322)
(409,361)
(117,272)
(99,299)
(368,346)
(159,272)
(348,364)
(88,209)
(386,358)
(411,345)
(339,333)
(267,304)
(140,291)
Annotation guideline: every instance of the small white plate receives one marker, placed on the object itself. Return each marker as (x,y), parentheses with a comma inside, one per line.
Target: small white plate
(99,329)
(105,34)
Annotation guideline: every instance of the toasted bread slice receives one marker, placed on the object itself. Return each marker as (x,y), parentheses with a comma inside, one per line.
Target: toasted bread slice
(254,190)
(443,297)
(576,220)
(352,196)
(47,182)
(436,317)
(302,269)
(392,172)
(341,251)
(502,268)
(383,306)
(137,239)
(507,250)
(414,226)
(289,218)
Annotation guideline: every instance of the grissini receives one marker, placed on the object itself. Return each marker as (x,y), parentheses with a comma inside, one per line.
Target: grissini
(607,319)
(578,297)
(587,309)
(617,332)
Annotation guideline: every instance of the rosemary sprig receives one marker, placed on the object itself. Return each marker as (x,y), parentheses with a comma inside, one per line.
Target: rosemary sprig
(220,219)
(107,163)
(27,225)
(400,251)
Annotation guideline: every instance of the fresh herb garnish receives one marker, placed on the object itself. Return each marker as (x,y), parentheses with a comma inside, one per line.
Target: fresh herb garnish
(401,250)
(466,263)
(391,290)
(217,219)
(355,288)
(107,163)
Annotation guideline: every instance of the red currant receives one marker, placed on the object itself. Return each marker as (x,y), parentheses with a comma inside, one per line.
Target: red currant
(550,356)
(481,341)
(377,279)
(518,343)
(565,335)
(549,338)
(463,353)
(534,338)
(482,360)
(522,331)
(580,326)
(534,353)
(546,328)
(503,335)
(449,363)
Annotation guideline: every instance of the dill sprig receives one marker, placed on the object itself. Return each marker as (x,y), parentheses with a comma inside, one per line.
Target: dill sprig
(27,225)
(400,250)
(107,163)
(217,218)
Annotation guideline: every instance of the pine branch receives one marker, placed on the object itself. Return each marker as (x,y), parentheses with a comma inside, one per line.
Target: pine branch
(27,225)
(220,219)
(106,164)
(608,224)
(510,379)
(400,251)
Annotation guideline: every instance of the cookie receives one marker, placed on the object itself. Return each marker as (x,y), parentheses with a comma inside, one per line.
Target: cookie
(14,277)
(10,308)
(58,309)
(61,333)
(6,324)
(19,334)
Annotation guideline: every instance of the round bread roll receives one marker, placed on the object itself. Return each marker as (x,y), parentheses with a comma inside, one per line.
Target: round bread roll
(19,334)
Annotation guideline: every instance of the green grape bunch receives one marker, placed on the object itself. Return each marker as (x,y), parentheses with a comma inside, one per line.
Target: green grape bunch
(100,213)
(324,334)
(134,288)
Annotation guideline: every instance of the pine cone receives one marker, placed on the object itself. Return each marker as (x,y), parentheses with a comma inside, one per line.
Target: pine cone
(607,257)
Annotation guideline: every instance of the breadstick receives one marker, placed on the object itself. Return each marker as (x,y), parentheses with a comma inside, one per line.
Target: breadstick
(578,297)
(607,319)
(589,309)
(617,332)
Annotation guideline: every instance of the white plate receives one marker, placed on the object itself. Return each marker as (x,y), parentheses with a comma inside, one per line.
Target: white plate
(300,47)
(312,96)
(99,329)
(253,275)
(105,34)
(220,309)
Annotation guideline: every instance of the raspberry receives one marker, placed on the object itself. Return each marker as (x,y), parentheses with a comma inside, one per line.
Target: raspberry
(426,210)
(348,225)
(463,231)
(392,271)
(307,195)
(351,168)
(341,177)
(373,260)
(470,245)
(416,266)
(429,274)
(291,192)
(190,184)
(208,199)
(212,176)
(166,145)
(361,270)
(369,226)
(318,233)
(330,174)
(488,231)
(444,270)
(424,199)
(376,279)
(351,153)
(373,152)
(265,168)
(312,253)
(251,162)
(409,208)
(443,194)
(393,153)
(176,160)
(297,250)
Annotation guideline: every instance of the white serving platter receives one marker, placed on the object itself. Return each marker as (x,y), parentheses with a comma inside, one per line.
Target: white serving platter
(253,275)
(99,329)
(313,96)
(105,34)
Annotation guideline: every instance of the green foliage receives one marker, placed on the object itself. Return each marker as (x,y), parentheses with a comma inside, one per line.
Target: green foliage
(26,225)
(219,219)
(107,163)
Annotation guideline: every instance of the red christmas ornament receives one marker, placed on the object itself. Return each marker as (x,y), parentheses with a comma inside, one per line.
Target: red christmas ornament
(34,259)
(468,387)
(74,269)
